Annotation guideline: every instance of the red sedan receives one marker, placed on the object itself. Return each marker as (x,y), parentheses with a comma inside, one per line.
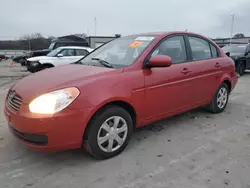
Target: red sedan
(97,102)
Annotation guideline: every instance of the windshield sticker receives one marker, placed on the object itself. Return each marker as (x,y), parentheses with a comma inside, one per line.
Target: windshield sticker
(145,38)
(135,44)
(242,46)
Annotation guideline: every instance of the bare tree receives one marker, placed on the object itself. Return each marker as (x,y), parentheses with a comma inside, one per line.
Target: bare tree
(28,39)
(239,35)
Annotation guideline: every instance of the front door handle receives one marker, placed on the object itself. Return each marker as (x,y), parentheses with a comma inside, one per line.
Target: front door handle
(217,65)
(186,71)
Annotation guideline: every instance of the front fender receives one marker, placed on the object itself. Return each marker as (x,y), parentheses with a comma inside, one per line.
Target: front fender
(128,88)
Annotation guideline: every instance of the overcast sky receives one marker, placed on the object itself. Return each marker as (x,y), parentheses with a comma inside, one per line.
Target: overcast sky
(59,17)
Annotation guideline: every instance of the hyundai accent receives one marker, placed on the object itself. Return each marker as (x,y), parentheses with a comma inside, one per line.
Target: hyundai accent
(97,102)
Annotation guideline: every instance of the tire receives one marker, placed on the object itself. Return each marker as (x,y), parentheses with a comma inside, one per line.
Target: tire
(98,131)
(241,68)
(219,102)
(22,62)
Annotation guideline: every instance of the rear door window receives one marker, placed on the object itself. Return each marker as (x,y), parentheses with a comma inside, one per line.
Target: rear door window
(200,48)
(214,51)
(81,52)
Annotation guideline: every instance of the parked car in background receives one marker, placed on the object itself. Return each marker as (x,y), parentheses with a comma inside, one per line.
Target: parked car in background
(57,57)
(56,43)
(3,57)
(240,53)
(17,59)
(100,100)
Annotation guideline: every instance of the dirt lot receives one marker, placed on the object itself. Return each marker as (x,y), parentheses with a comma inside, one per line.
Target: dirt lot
(192,150)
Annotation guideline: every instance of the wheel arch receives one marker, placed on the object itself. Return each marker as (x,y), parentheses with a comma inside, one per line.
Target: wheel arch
(121,103)
(47,64)
(229,84)
(226,79)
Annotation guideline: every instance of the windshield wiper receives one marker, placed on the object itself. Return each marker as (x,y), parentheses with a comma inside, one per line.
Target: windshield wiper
(103,62)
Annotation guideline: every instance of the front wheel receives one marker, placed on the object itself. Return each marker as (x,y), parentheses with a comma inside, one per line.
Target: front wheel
(220,100)
(108,132)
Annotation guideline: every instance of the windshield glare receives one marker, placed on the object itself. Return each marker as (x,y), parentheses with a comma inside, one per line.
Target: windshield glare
(53,53)
(120,52)
(234,48)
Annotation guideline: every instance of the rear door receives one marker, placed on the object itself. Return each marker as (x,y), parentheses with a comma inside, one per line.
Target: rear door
(80,53)
(206,69)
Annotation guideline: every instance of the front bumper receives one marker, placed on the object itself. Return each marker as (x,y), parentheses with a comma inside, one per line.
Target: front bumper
(34,139)
(61,131)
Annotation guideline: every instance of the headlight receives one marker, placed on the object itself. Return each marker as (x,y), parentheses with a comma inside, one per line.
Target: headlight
(54,102)
(35,63)
(29,54)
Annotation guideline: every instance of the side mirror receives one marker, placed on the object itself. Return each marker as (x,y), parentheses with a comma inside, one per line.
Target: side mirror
(59,55)
(160,61)
(228,54)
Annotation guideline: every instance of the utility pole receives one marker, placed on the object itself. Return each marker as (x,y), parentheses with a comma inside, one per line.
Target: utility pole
(29,44)
(232,28)
(95,26)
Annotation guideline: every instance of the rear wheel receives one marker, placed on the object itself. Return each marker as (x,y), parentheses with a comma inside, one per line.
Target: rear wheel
(241,68)
(220,100)
(108,132)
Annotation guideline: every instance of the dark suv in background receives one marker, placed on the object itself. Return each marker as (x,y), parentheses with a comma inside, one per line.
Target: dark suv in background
(240,53)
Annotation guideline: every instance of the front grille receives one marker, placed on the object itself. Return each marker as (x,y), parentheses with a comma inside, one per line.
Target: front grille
(14,101)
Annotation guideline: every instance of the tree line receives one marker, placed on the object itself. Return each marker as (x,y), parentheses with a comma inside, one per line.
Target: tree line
(27,42)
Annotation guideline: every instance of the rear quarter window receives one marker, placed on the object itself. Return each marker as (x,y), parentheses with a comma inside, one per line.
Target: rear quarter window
(214,51)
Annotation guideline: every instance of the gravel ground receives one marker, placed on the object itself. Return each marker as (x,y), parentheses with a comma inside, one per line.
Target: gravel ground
(193,150)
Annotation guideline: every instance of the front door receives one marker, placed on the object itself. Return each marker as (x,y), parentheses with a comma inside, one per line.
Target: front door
(68,57)
(167,89)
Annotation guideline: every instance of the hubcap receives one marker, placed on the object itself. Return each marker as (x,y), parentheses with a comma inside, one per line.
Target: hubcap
(222,98)
(112,134)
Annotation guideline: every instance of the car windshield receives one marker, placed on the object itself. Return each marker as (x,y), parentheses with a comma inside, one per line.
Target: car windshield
(53,53)
(120,52)
(52,45)
(234,48)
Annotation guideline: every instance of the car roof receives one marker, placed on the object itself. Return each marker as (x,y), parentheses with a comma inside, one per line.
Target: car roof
(164,33)
(75,47)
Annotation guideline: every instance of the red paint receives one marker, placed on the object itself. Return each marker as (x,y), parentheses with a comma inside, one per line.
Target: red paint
(160,61)
(153,93)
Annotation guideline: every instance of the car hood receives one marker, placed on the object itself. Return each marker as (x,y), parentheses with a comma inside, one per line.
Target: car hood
(38,58)
(60,77)
(41,51)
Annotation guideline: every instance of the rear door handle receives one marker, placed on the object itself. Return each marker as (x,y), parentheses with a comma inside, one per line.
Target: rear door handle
(217,65)
(186,71)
